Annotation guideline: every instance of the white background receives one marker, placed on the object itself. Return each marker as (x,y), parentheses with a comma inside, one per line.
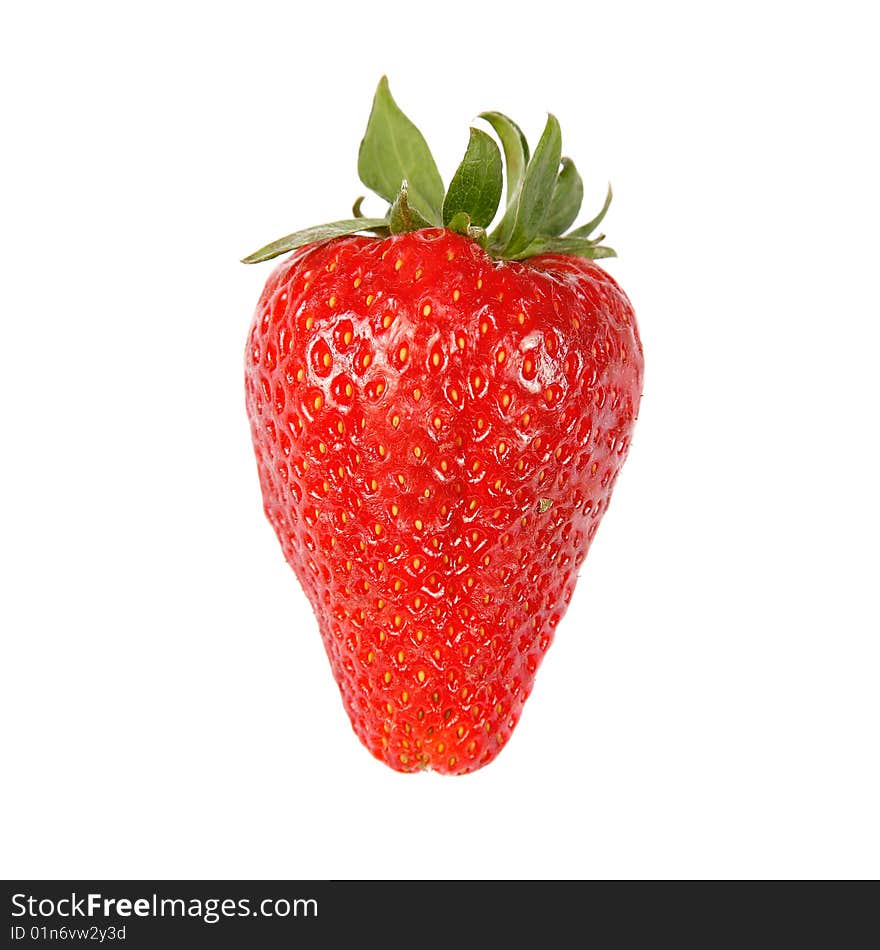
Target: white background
(709,708)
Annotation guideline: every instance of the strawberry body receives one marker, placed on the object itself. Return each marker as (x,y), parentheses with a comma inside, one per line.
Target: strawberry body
(437,435)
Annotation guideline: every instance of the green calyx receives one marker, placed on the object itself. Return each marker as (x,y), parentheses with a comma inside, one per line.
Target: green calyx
(542,200)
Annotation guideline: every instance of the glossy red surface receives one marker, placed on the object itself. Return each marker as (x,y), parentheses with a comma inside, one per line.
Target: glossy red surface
(437,436)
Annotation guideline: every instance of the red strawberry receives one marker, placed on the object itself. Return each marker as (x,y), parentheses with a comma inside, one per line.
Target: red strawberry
(439,417)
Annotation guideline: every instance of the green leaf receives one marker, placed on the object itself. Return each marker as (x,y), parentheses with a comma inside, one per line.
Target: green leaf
(476,186)
(567,197)
(585,230)
(599,252)
(404,218)
(577,247)
(392,150)
(321,232)
(516,157)
(516,148)
(536,192)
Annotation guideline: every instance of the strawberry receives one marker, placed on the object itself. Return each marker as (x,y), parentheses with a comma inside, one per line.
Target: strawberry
(439,414)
